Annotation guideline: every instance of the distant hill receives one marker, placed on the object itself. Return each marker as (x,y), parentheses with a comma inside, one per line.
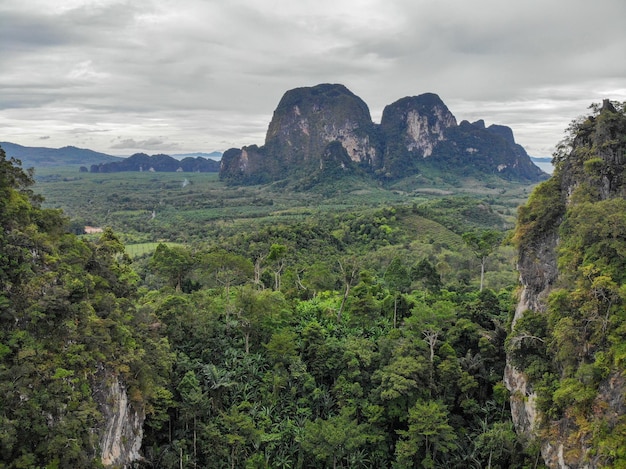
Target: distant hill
(42,156)
(101,162)
(158,163)
(214,155)
(541,159)
(417,134)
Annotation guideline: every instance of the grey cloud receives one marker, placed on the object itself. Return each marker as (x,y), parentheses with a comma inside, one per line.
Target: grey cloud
(207,73)
(148,144)
(20,31)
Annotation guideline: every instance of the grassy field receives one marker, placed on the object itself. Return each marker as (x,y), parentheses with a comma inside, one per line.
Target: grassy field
(143,249)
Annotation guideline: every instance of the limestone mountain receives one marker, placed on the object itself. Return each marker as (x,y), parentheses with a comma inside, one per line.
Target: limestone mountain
(305,122)
(413,128)
(566,360)
(414,133)
(159,163)
(485,150)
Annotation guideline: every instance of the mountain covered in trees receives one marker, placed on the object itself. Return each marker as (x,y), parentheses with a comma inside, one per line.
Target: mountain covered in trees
(158,163)
(326,130)
(78,363)
(89,160)
(35,157)
(566,353)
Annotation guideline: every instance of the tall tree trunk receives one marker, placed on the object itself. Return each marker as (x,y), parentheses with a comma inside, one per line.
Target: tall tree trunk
(343,302)
(482,272)
(395,311)
(349,273)
(195,441)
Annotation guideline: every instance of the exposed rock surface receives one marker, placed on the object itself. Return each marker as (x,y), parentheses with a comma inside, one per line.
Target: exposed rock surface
(412,130)
(419,121)
(308,119)
(122,432)
(593,161)
(538,273)
(413,127)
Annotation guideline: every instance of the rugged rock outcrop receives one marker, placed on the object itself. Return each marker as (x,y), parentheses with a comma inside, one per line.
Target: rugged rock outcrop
(569,398)
(305,123)
(308,119)
(412,130)
(413,127)
(122,432)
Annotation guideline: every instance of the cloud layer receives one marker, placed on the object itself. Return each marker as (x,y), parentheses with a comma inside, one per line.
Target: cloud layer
(121,76)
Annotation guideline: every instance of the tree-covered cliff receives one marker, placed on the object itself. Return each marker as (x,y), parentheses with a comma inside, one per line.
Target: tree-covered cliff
(78,362)
(567,359)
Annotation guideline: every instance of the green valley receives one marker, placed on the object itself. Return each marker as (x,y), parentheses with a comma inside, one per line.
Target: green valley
(323,328)
(314,322)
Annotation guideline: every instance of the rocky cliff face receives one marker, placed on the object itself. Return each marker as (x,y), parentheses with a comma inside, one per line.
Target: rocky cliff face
(122,432)
(305,123)
(412,129)
(419,121)
(308,119)
(573,414)
(537,265)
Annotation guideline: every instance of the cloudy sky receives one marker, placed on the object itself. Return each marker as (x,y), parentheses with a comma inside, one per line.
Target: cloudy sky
(176,76)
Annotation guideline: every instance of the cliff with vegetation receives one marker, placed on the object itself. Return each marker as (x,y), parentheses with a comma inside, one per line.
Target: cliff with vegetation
(566,359)
(79,365)
(416,134)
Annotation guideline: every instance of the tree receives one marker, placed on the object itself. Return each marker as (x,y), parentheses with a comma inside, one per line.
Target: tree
(227,268)
(333,439)
(277,256)
(431,321)
(398,279)
(482,245)
(497,443)
(427,273)
(191,398)
(349,274)
(256,311)
(429,434)
(174,263)
(318,277)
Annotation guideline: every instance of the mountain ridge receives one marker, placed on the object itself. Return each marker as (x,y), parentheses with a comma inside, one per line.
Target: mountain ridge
(158,163)
(415,132)
(103,162)
(45,156)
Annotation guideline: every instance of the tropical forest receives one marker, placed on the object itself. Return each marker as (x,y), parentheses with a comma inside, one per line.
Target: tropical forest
(184,320)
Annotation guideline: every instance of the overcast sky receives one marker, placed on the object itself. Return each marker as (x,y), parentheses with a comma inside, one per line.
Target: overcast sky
(176,76)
